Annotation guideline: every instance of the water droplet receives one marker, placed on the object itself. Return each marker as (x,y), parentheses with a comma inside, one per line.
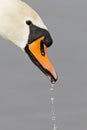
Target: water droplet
(53,118)
(53,115)
(51,88)
(52,99)
(54,127)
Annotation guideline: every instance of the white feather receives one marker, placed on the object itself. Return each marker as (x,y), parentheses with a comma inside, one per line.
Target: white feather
(13,16)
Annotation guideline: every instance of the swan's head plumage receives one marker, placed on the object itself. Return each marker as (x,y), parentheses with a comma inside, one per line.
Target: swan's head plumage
(21,25)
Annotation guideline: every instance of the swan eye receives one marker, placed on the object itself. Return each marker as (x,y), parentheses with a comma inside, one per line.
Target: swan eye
(28,22)
(42,48)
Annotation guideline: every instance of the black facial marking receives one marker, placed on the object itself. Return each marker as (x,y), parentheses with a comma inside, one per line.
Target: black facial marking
(36,32)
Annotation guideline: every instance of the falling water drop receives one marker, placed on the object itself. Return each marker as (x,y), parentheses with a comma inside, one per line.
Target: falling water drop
(53,114)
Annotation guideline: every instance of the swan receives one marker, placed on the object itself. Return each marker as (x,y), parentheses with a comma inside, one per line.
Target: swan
(21,25)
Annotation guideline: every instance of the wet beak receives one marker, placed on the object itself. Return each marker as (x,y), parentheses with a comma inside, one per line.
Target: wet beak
(40,60)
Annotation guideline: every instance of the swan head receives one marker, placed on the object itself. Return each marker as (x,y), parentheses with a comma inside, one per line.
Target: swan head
(38,42)
(21,25)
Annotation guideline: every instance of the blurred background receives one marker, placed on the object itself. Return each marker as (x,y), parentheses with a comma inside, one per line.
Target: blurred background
(24,90)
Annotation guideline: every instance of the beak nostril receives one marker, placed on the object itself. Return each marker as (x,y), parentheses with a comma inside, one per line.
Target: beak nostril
(42,48)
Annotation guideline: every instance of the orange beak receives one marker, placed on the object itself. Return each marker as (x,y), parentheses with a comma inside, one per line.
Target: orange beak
(40,60)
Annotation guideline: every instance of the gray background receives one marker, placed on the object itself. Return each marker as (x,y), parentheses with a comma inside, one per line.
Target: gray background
(24,90)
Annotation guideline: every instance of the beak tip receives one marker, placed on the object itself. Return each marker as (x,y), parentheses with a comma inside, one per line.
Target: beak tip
(53,78)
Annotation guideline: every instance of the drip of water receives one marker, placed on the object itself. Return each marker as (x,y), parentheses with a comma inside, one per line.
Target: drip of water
(53,114)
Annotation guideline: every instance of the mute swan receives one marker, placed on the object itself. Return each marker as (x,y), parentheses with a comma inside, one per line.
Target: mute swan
(21,25)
